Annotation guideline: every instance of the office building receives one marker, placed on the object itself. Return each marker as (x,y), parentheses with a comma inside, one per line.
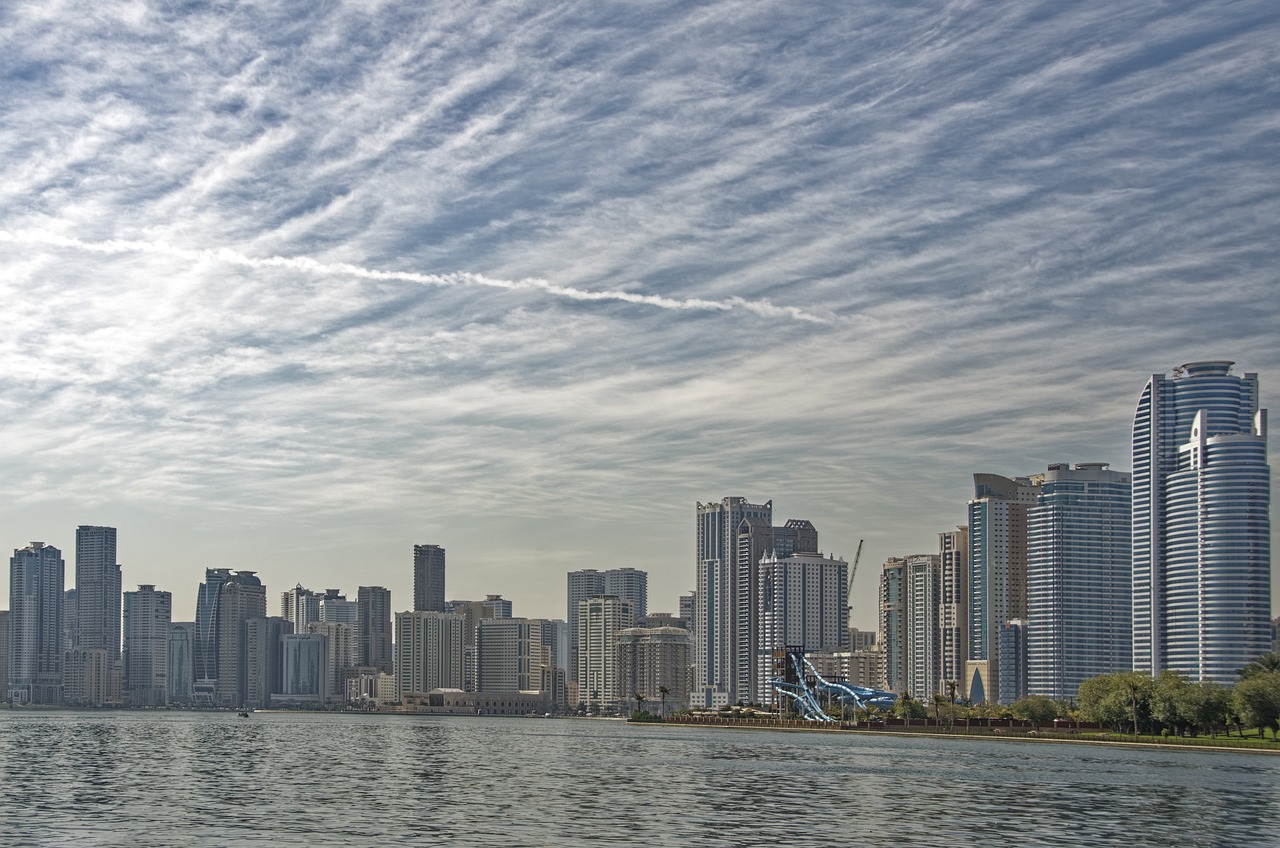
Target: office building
(304,678)
(599,620)
(373,626)
(1079,579)
(36,575)
(148,615)
(1201,523)
(181,676)
(428,578)
(242,597)
(264,659)
(1013,661)
(429,652)
(205,664)
(997,574)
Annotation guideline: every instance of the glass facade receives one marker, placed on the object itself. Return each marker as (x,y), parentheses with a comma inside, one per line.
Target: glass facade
(1079,579)
(1201,523)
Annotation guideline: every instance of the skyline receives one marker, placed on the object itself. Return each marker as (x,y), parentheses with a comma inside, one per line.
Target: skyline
(292,290)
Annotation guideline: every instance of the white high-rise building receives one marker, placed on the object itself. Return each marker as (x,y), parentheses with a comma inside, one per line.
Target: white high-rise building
(1079,579)
(722,566)
(629,583)
(599,620)
(147,617)
(1201,523)
(803,602)
(953,614)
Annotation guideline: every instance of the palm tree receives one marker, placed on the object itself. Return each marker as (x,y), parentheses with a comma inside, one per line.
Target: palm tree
(1270,661)
(663,692)
(639,698)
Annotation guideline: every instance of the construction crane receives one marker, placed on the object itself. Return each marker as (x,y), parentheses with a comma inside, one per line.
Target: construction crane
(853,570)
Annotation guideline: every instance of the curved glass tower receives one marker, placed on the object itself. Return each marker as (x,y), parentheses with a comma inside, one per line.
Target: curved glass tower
(1201,523)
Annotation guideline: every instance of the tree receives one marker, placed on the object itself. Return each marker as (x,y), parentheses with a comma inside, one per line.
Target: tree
(908,707)
(1116,699)
(639,699)
(1036,709)
(1257,700)
(663,692)
(939,700)
(1169,703)
(1207,705)
(1269,661)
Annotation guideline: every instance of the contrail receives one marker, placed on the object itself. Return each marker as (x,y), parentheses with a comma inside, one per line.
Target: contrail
(311,266)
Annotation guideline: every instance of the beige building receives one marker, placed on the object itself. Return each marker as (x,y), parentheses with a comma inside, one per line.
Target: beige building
(429,652)
(650,659)
(87,679)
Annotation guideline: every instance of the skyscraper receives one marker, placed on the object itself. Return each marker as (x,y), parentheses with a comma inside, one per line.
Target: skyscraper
(1079,580)
(953,615)
(428,578)
(242,597)
(300,606)
(181,674)
(36,575)
(374,627)
(997,574)
(429,652)
(911,624)
(629,583)
(205,646)
(98,592)
(599,620)
(803,602)
(504,652)
(719,529)
(1201,523)
(147,616)
(893,624)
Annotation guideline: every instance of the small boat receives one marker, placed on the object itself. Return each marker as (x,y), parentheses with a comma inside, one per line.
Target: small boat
(243,715)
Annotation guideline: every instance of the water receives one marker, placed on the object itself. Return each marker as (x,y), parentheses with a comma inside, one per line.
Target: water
(161,779)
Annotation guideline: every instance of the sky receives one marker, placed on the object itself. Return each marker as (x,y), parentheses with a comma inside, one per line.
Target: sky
(293,286)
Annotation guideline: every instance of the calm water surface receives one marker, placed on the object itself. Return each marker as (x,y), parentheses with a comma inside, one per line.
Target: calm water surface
(191,779)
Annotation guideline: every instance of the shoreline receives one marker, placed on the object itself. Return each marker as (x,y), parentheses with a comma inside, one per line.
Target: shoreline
(982,737)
